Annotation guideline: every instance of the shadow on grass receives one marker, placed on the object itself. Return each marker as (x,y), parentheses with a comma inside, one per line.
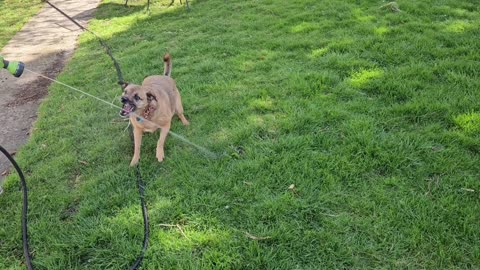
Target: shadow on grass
(116,10)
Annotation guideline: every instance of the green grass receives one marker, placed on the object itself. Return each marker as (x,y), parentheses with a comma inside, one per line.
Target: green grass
(371,114)
(12,20)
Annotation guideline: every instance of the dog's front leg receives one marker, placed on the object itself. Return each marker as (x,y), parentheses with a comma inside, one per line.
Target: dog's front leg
(137,138)
(161,142)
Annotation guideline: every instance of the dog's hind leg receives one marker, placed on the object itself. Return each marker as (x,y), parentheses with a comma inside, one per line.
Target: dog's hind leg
(161,142)
(183,119)
(179,110)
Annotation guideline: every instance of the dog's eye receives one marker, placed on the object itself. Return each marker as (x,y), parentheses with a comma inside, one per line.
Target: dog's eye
(136,97)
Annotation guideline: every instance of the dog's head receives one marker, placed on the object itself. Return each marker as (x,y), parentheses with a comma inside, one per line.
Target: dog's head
(134,98)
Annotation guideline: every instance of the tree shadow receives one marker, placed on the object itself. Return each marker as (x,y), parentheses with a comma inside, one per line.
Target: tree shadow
(116,10)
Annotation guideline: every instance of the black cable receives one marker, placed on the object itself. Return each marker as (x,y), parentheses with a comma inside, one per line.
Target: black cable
(26,251)
(102,42)
(141,191)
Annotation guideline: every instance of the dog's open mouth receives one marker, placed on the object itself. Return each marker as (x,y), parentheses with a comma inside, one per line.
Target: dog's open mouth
(127,109)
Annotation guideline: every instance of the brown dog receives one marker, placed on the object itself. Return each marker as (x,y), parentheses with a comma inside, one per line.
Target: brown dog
(151,106)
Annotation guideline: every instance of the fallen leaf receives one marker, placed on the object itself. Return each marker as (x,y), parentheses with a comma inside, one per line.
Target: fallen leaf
(83,162)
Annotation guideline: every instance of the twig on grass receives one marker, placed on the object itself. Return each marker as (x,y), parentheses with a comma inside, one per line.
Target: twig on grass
(257,238)
(167,225)
(174,225)
(181,230)
(392,6)
(329,215)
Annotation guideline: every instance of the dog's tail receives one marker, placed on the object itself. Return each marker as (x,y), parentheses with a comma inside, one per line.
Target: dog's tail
(167,60)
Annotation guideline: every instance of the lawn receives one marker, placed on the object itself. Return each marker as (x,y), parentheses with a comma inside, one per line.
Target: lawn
(13,20)
(372,115)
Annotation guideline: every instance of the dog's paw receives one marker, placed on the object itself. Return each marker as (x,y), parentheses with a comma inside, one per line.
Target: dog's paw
(183,119)
(134,162)
(160,156)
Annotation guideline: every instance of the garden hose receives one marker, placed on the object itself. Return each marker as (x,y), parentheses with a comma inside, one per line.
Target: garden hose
(26,250)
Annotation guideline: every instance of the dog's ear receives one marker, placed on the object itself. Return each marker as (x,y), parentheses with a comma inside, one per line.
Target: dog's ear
(151,97)
(124,85)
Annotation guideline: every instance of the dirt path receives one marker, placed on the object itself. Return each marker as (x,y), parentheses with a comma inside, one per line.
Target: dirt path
(44,44)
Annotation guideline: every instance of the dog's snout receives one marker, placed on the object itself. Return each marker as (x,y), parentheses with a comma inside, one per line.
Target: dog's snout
(124,99)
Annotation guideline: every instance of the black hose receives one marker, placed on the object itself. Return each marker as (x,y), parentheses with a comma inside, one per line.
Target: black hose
(141,191)
(146,230)
(26,251)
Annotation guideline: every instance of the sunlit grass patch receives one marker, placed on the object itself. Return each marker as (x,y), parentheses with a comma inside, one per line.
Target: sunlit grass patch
(381,30)
(262,104)
(304,27)
(459,26)
(469,122)
(363,77)
(318,52)
(361,17)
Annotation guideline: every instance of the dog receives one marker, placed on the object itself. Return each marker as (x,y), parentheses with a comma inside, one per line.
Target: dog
(151,106)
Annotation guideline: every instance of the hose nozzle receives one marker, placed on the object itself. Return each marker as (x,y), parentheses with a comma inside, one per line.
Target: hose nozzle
(14,67)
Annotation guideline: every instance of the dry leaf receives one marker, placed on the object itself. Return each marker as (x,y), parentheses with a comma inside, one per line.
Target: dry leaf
(83,162)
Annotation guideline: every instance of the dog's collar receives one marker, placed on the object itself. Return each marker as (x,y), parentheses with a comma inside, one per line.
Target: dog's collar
(146,113)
